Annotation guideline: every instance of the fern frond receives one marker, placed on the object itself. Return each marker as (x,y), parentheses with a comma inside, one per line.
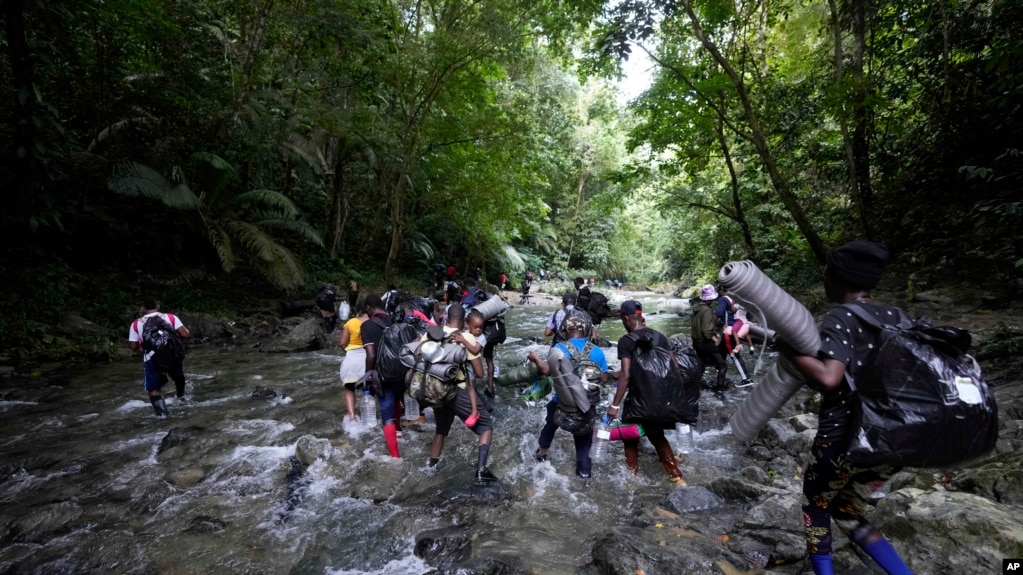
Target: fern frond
(222,244)
(278,264)
(512,256)
(269,198)
(297,227)
(139,180)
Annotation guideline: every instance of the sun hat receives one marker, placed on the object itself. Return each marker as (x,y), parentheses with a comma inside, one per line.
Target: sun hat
(708,293)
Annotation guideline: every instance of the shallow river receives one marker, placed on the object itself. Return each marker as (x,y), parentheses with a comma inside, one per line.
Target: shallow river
(92,482)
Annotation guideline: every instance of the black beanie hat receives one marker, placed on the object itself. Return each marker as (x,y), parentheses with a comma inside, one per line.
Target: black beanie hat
(859,262)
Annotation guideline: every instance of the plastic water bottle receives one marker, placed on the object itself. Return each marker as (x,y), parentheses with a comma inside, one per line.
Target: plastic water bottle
(614,391)
(369,409)
(601,440)
(497,367)
(686,442)
(411,408)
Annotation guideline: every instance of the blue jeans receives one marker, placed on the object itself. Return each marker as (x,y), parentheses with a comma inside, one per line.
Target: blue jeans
(583,442)
(392,394)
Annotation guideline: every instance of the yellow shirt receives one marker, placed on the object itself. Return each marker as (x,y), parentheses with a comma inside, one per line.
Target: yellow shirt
(354,327)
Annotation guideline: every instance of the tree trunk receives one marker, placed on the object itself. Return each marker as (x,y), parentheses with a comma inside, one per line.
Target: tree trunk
(759,140)
(740,214)
(843,119)
(861,116)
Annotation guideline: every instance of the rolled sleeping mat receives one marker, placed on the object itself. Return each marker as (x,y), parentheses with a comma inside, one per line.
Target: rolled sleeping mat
(492,308)
(452,353)
(759,333)
(518,375)
(442,371)
(789,318)
(792,322)
(570,387)
(627,431)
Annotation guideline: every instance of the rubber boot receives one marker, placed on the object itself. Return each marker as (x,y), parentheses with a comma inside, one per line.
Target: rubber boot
(159,405)
(667,457)
(391,437)
(632,456)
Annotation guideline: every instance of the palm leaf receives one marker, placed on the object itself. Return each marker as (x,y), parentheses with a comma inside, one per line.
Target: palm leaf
(224,247)
(139,180)
(273,260)
(512,257)
(297,227)
(269,198)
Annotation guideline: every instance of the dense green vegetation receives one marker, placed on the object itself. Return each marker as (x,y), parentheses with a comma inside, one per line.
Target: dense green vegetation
(217,151)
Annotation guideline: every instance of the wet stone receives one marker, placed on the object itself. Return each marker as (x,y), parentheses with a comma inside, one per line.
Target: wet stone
(692,499)
(205,525)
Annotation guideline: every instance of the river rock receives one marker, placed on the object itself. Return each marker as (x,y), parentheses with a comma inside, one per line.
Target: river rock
(205,326)
(206,525)
(306,336)
(803,422)
(185,477)
(662,549)
(46,521)
(178,436)
(776,433)
(443,548)
(925,526)
(692,499)
(76,325)
(309,448)
(999,479)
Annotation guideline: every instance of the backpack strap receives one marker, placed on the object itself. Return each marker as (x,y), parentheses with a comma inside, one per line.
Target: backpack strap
(859,309)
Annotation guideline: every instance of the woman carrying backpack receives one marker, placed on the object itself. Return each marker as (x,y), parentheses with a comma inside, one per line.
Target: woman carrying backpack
(832,488)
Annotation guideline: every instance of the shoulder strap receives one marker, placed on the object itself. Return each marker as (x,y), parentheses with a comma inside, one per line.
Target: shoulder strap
(859,310)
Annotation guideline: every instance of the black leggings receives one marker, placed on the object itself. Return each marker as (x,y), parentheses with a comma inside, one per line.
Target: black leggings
(709,353)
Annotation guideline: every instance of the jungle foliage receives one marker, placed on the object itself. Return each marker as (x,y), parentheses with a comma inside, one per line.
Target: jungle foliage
(273,143)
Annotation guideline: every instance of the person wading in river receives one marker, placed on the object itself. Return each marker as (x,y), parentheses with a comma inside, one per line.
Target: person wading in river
(635,326)
(464,405)
(832,489)
(163,354)
(706,336)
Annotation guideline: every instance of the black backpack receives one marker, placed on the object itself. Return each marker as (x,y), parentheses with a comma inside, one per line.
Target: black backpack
(326,299)
(598,307)
(161,343)
(922,399)
(388,351)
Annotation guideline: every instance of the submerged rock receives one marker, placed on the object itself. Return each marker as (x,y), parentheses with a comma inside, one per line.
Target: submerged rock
(693,499)
(310,448)
(178,436)
(206,525)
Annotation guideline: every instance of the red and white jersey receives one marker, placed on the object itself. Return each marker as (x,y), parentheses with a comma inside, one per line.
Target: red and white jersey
(135,331)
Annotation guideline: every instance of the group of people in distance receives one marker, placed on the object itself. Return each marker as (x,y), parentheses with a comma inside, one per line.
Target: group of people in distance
(832,488)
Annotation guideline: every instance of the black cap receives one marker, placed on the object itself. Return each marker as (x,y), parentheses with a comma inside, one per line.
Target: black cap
(373,301)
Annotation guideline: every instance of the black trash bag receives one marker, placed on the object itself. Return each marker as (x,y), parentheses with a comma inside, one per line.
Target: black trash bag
(691,368)
(924,403)
(575,422)
(494,331)
(389,349)
(657,394)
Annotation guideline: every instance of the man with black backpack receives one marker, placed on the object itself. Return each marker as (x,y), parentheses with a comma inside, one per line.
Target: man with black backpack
(832,487)
(383,338)
(158,336)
